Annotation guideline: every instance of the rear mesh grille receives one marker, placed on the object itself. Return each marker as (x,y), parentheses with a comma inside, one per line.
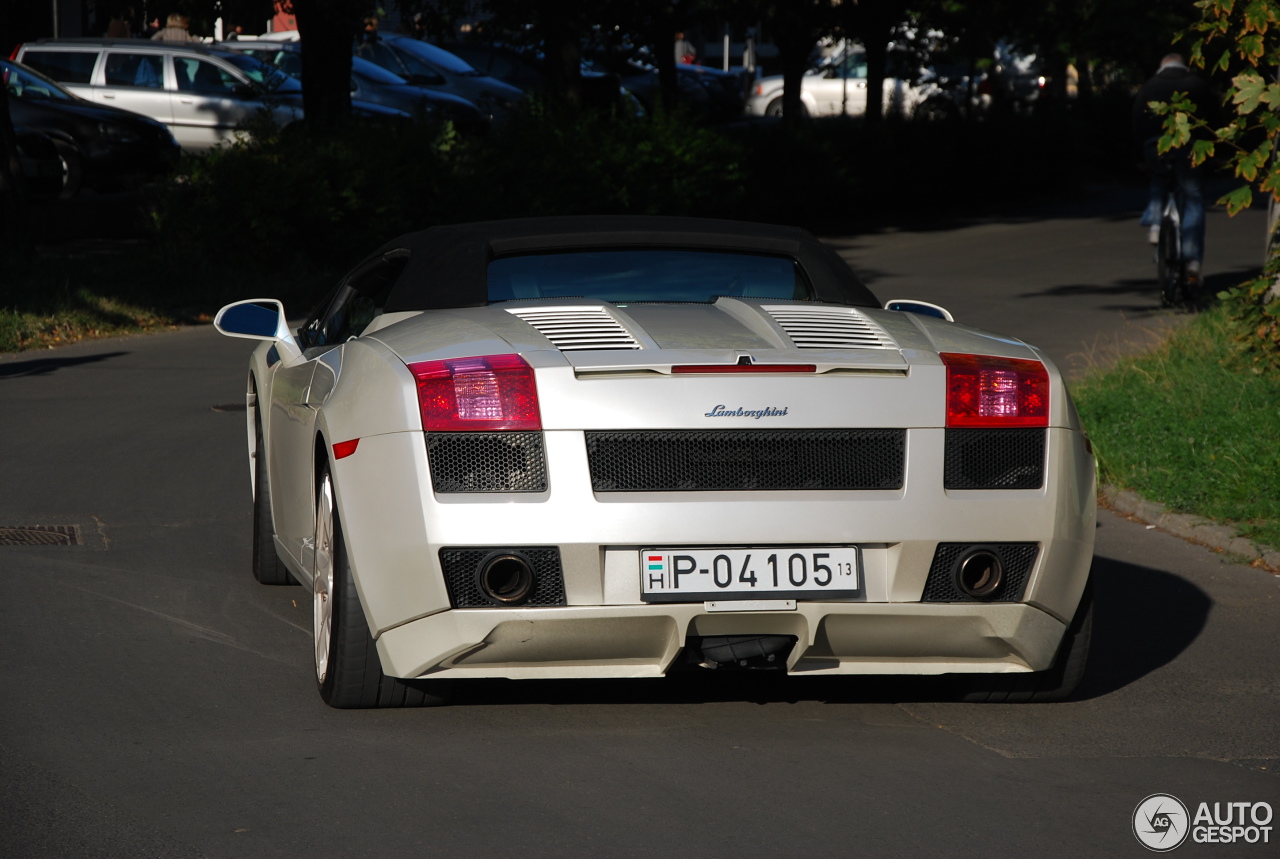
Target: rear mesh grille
(994,459)
(487,461)
(1017,558)
(699,461)
(459,567)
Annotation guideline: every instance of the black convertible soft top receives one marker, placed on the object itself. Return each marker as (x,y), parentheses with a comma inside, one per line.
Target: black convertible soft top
(448,266)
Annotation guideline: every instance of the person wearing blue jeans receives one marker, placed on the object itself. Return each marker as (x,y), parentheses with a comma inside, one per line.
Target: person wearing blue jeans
(1172,171)
(1173,77)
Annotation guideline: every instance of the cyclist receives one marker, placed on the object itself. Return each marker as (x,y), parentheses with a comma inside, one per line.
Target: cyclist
(1174,77)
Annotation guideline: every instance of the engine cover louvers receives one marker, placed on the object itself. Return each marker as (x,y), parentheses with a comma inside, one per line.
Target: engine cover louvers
(574,329)
(829,327)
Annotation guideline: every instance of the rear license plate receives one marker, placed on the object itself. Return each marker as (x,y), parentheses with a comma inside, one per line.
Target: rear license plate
(789,572)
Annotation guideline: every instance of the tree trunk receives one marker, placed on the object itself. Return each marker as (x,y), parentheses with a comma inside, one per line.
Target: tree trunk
(15,248)
(795,38)
(562,45)
(877,61)
(327,28)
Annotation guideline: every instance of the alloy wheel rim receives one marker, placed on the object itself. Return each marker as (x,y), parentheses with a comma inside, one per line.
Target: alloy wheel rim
(322,583)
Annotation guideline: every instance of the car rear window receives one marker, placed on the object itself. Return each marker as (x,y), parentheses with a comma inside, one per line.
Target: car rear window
(649,275)
(68,67)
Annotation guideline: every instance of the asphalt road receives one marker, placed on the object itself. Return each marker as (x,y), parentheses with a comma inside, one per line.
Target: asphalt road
(155,701)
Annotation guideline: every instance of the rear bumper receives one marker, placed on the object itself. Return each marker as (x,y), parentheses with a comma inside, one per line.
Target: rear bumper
(397,528)
(644,640)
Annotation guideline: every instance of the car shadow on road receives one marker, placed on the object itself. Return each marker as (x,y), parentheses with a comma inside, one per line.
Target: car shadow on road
(1143,619)
(47,366)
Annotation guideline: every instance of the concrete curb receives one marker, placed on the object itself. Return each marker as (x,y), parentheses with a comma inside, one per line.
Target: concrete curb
(1194,529)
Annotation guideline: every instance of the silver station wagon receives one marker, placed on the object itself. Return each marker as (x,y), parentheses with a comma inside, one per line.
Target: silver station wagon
(203,94)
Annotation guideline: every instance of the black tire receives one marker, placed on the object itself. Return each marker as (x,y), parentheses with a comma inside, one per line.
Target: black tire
(267,566)
(1058,682)
(352,677)
(774,108)
(72,168)
(1169,268)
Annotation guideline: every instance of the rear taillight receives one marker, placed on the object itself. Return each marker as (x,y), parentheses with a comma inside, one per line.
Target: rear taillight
(13,55)
(486,393)
(983,391)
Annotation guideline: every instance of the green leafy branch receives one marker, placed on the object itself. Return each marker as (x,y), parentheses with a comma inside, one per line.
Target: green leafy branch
(1244,35)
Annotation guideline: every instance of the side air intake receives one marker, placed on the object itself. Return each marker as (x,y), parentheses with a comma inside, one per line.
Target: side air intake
(574,329)
(829,327)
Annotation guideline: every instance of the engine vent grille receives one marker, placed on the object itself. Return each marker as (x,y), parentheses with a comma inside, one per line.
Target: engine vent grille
(1017,558)
(829,327)
(993,459)
(573,329)
(710,460)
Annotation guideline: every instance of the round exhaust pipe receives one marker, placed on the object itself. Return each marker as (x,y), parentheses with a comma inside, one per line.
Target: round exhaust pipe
(505,578)
(979,573)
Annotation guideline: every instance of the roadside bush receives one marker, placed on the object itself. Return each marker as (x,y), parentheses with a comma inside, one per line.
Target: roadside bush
(549,163)
(1255,308)
(300,200)
(304,200)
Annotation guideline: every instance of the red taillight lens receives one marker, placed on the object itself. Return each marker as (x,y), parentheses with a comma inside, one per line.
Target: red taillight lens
(486,393)
(983,391)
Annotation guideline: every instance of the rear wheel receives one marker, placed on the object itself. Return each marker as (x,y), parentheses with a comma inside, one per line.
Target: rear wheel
(774,108)
(348,670)
(1055,684)
(1169,266)
(267,567)
(72,168)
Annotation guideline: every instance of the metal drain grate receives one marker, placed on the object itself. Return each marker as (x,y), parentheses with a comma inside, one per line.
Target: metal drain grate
(39,535)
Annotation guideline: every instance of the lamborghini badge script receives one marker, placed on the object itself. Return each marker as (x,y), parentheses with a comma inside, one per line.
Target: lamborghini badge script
(767,412)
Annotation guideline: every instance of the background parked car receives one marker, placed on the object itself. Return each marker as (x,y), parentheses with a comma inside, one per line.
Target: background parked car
(525,70)
(204,95)
(838,87)
(426,65)
(98,145)
(710,94)
(373,84)
(36,164)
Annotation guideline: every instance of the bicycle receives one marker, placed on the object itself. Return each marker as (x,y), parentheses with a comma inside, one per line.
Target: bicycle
(1171,268)
(1176,286)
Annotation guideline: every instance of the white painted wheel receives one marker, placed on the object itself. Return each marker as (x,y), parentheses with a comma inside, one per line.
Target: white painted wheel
(322,584)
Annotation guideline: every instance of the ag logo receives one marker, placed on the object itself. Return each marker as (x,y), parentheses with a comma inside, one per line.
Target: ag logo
(1161,822)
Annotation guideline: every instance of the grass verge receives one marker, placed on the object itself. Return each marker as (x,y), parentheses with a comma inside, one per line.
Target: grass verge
(1192,426)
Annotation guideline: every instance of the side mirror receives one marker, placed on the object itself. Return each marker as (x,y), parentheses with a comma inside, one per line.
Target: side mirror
(254,319)
(923,308)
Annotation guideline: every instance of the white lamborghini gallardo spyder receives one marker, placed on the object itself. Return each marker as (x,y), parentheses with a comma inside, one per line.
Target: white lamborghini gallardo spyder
(608,447)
